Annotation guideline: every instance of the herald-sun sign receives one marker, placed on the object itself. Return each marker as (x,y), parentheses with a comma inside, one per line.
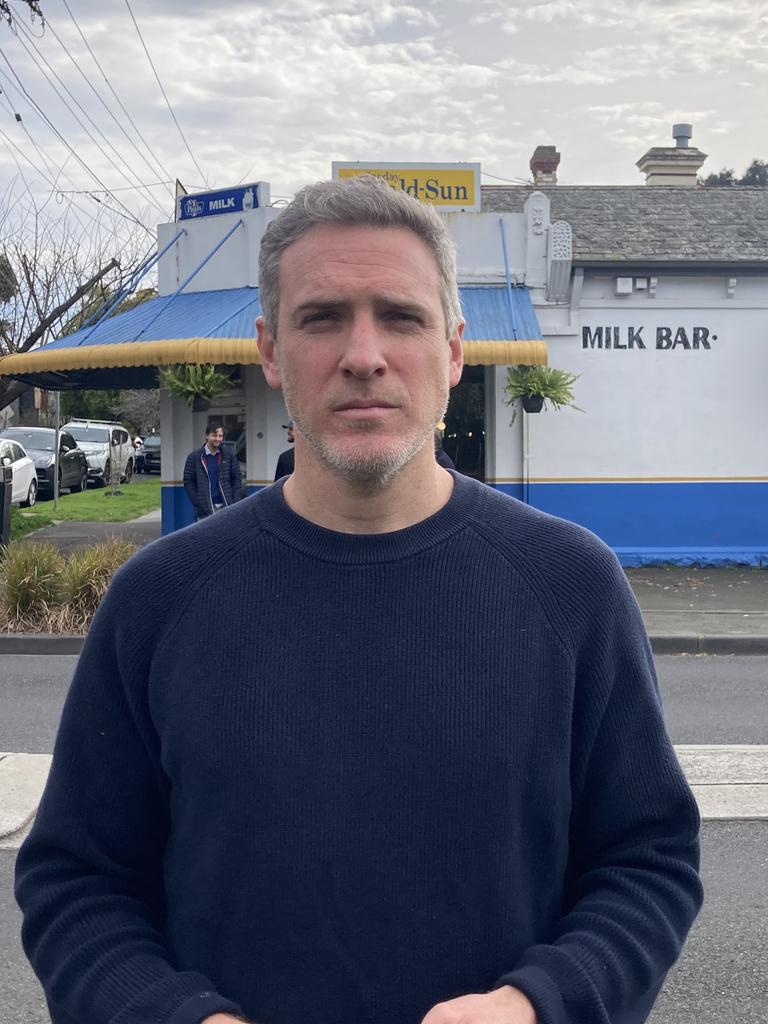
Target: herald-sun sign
(449,186)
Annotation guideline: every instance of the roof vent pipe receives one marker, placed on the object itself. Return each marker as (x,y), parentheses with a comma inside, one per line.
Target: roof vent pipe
(681,133)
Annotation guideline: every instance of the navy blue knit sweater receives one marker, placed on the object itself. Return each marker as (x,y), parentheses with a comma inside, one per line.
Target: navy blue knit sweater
(412,766)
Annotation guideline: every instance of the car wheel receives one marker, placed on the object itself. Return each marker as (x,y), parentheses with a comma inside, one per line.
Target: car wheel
(31,495)
(104,480)
(81,484)
(128,473)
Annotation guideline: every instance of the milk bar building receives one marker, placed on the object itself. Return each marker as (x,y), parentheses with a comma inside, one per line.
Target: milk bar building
(655,294)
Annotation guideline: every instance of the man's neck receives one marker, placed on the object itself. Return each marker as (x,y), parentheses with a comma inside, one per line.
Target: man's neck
(418,491)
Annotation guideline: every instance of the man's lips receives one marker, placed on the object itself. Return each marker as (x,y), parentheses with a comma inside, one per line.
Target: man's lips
(364,405)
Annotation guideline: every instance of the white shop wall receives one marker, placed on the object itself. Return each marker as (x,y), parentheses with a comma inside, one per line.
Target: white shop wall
(235,265)
(674,409)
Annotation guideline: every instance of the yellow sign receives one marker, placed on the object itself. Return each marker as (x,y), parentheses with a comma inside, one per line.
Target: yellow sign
(449,186)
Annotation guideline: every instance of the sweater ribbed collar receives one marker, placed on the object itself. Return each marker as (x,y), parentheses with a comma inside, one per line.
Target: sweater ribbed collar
(279,519)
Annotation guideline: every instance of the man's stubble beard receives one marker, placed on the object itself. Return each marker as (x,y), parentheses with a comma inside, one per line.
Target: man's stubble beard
(368,471)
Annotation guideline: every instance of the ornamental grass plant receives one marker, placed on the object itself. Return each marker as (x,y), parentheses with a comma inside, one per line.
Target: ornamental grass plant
(85,578)
(42,591)
(31,580)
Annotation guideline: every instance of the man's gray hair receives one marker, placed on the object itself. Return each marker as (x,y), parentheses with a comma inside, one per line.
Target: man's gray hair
(360,201)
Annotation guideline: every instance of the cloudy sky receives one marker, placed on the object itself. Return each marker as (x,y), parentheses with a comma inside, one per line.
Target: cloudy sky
(276,91)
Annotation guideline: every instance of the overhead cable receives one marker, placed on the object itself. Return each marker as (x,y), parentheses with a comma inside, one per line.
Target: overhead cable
(64,142)
(157,167)
(121,163)
(162,90)
(43,168)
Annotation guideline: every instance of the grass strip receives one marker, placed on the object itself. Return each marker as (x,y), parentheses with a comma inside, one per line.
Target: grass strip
(94,505)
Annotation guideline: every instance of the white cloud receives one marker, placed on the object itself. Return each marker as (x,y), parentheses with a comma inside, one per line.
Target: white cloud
(286,88)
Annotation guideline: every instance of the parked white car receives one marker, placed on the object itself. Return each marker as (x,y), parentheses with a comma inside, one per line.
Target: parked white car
(105,444)
(24,489)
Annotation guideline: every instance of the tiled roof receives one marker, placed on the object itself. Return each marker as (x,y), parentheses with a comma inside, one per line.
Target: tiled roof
(646,224)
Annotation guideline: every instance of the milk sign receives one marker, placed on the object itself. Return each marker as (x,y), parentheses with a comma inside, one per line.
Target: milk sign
(239,199)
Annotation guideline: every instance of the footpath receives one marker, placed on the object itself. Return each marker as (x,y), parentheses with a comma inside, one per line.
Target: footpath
(687,611)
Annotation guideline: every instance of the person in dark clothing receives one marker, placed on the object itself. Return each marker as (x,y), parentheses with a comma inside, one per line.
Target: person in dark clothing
(389,746)
(212,474)
(285,459)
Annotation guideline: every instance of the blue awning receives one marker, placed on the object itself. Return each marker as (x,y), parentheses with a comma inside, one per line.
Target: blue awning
(218,327)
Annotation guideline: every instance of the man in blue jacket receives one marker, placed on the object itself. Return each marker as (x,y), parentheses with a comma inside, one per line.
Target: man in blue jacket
(212,474)
(389,747)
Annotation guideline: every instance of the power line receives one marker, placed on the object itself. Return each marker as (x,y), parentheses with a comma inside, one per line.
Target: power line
(42,156)
(509,181)
(117,166)
(162,90)
(45,167)
(120,188)
(164,172)
(61,138)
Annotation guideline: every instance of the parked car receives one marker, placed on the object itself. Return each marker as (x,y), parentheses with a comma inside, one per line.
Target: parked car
(105,444)
(148,456)
(24,486)
(40,444)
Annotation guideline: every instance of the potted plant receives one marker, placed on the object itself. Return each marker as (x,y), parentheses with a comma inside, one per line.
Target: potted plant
(198,383)
(535,386)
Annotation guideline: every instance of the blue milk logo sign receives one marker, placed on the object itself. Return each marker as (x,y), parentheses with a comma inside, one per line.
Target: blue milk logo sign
(228,200)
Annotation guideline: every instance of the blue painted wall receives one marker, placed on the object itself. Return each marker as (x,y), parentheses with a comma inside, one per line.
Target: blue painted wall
(679,523)
(176,509)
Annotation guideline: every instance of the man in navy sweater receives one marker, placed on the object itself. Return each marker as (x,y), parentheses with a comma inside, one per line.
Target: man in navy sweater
(389,747)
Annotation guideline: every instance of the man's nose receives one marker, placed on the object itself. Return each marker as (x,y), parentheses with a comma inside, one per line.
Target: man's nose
(363,355)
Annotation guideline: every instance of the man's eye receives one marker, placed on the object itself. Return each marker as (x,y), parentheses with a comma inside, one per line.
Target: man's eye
(319,317)
(402,315)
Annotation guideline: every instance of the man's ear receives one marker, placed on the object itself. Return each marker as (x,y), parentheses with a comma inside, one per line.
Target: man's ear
(456,350)
(267,350)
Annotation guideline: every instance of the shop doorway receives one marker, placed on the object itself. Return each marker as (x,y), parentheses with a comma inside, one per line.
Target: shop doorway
(464,437)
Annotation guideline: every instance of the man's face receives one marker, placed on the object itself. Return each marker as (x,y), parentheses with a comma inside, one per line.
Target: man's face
(214,439)
(362,353)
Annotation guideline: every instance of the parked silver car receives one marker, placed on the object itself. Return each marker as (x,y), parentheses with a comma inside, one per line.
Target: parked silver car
(105,445)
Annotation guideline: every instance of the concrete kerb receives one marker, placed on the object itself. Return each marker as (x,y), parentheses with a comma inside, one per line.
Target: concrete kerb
(47,643)
(711,644)
(40,643)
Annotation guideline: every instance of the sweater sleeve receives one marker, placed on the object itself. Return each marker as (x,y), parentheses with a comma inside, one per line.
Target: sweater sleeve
(89,877)
(632,890)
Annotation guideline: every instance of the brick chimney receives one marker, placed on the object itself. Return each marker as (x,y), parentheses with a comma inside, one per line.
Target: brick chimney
(673,165)
(544,164)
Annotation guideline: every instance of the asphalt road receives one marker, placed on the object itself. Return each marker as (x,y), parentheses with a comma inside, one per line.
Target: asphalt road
(32,692)
(707,699)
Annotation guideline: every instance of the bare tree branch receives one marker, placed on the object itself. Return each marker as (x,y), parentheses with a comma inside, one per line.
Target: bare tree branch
(65,306)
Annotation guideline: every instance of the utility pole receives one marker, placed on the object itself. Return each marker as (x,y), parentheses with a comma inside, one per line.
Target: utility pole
(57,453)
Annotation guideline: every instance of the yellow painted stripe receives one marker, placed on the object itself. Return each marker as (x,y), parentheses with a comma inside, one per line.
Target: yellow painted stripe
(505,353)
(229,351)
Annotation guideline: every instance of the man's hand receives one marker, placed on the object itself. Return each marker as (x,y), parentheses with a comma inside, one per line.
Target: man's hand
(505,1005)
